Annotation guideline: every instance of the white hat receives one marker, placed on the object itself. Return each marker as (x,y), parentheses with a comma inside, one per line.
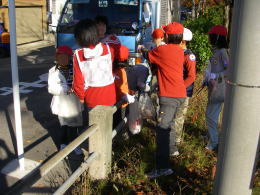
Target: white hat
(187,35)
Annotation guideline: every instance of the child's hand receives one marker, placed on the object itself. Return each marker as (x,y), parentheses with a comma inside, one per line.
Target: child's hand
(212,76)
(129,98)
(212,83)
(81,101)
(140,47)
(70,91)
(147,88)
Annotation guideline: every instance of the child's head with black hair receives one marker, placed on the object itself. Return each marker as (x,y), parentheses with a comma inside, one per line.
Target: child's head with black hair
(102,24)
(86,33)
(63,57)
(174,38)
(174,32)
(121,56)
(218,36)
(101,19)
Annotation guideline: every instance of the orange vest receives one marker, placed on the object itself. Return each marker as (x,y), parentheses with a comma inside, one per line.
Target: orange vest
(121,84)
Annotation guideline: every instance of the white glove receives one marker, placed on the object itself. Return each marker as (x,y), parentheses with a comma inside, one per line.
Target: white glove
(212,76)
(147,88)
(130,98)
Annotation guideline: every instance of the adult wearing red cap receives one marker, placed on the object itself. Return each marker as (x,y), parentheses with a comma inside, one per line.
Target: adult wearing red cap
(214,79)
(168,59)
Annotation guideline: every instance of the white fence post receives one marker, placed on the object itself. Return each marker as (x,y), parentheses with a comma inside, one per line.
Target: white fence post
(101,141)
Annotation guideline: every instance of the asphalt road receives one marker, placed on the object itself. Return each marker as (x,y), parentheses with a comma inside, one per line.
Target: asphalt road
(40,127)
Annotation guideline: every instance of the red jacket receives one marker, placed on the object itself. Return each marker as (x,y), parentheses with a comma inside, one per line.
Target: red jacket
(93,96)
(169,60)
(190,69)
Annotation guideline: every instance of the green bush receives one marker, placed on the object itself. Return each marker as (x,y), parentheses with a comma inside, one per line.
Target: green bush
(216,15)
(201,48)
(200,26)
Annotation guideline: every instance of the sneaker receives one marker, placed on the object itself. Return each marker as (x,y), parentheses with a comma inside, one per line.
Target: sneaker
(78,151)
(62,146)
(176,153)
(159,172)
(210,147)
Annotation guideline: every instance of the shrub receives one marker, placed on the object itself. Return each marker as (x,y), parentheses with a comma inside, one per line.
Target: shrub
(201,48)
(200,26)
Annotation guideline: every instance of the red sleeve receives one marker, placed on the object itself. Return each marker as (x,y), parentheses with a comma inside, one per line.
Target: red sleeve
(112,50)
(78,79)
(190,66)
(153,56)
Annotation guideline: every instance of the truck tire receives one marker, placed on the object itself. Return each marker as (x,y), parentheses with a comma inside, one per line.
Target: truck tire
(3,52)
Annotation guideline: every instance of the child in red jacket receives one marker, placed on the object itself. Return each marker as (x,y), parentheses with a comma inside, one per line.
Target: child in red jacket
(189,75)
(93,79)
(168,59)
(122,90)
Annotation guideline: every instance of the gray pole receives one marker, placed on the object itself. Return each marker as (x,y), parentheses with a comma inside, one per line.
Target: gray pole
(15,80)
(240,135)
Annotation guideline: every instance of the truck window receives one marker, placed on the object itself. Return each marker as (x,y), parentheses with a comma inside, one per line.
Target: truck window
(126,2)
(120,13)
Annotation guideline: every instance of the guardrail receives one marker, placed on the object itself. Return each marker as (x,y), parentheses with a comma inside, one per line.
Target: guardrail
(100,137)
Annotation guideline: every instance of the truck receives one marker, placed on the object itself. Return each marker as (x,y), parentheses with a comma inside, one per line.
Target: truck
(132,21)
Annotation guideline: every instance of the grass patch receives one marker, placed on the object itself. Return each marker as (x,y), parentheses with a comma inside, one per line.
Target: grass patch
(193,169)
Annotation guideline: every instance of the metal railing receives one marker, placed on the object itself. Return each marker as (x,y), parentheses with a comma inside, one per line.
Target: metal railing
(71,180)
(96,116)
(42,170)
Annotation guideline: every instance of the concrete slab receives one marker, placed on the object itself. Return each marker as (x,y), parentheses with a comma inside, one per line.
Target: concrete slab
(12,168)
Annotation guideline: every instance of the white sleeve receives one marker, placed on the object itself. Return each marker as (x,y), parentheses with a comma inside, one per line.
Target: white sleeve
(56,84)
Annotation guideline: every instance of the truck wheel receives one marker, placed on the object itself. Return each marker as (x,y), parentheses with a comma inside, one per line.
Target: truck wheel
(3,52)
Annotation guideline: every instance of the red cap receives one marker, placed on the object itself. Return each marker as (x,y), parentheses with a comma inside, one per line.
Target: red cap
(219,30)
(158,33)
(64,49)
(173,28)
(122,53)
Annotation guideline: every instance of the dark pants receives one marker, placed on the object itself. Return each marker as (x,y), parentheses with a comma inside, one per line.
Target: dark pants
(168,108)
(68,134)
(118,116)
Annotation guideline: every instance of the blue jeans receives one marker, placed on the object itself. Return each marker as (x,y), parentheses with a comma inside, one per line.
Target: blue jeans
(212,116)
(168,108)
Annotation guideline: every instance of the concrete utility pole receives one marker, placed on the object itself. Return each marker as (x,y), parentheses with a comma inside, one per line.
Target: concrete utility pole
(240,135)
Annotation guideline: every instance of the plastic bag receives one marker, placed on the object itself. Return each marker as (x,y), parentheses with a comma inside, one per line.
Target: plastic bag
(135,126)
(216,90)
(146,107)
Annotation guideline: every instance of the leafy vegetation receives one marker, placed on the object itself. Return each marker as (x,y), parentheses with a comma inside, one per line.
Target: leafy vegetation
(201,48)
(200,26)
